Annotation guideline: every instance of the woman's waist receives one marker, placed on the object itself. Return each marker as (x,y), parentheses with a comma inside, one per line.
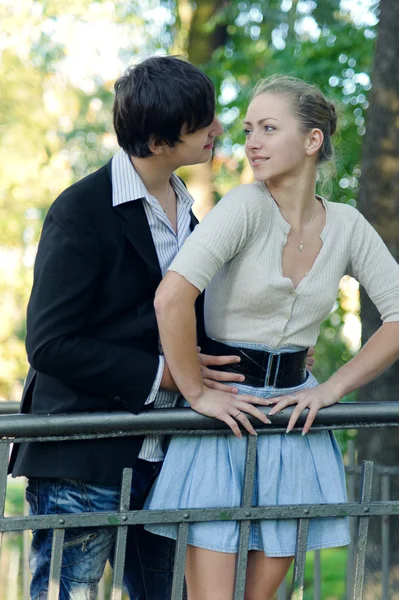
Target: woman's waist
(261,365)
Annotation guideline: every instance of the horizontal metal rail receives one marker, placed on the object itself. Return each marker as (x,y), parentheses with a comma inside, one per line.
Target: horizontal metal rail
(197,515)
(185,421)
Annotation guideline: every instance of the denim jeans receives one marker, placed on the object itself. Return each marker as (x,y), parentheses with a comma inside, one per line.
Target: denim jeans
(149,558)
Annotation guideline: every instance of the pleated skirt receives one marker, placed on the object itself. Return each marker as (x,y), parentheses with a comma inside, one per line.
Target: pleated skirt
(208,472)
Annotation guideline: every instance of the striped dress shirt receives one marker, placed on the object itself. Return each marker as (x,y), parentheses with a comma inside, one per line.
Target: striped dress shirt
(127,186)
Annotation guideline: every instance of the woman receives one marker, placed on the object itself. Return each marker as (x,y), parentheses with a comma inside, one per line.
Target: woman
(271,255)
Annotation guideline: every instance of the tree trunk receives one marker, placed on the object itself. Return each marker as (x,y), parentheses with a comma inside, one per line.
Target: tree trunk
(379,202)
(201,42)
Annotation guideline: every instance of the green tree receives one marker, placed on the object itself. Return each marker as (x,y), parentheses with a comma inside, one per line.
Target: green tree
(66,126)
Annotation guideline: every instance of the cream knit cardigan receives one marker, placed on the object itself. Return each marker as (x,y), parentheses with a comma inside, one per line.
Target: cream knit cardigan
(236,253)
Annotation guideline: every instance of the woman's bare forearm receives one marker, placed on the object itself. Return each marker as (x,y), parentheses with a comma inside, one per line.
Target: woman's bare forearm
(374,358)
(174,306)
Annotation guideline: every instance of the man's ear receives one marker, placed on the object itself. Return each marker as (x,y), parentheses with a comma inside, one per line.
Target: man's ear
(157,146)
(314,141)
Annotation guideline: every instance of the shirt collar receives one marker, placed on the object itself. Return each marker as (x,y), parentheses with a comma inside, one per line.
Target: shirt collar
(128,186)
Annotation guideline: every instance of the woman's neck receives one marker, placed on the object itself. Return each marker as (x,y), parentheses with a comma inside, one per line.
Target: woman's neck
(295,199)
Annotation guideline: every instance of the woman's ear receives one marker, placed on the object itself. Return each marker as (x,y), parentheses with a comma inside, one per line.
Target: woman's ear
(314,142)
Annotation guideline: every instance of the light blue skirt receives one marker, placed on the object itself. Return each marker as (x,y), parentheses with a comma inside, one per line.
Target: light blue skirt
(208,472)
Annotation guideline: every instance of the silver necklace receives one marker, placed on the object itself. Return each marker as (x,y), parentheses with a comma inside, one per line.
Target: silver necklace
(300,246)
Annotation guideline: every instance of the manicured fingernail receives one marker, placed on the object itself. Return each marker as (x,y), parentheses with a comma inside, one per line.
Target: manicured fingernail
(242,377)
(287,430)
(304,433)
(234,390)
(238,359)
(254,433)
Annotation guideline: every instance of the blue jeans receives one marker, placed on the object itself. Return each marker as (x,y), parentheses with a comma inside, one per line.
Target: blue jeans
(149,558)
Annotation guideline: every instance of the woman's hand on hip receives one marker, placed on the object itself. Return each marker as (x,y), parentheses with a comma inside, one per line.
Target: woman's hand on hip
(312,398)
(231,409)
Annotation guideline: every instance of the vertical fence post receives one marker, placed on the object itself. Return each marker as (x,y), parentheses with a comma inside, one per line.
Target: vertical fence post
(180,562)
(351,487)
(56,564)
(385,535)
(317,576)
(101,589)
(121,537)
(4,453)
(282,591)
(362,531)
(245,526)
(25,556)
(298,580)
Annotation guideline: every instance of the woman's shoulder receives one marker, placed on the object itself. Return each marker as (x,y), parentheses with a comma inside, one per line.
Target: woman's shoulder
(342,213)
(247,197)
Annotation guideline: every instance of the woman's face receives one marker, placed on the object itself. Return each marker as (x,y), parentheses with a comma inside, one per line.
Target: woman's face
(275,145)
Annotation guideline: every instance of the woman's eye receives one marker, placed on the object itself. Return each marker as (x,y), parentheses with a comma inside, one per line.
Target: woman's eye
(269,128)
(247,132)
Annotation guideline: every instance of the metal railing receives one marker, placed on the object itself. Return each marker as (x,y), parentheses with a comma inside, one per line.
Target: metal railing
(44,428)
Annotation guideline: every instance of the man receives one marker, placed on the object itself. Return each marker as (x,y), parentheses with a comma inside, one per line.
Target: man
(92,337)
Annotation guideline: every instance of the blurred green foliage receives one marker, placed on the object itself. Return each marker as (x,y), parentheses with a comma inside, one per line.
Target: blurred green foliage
(57,127)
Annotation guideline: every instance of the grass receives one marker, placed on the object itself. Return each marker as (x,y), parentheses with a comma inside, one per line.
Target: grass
(333,574)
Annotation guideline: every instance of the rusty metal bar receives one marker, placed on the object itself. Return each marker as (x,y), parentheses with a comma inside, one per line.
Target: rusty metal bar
(25,558)
(385,538)
(245,526)
(298,579)
(362,531)
(282,591)
(121,536)
(56,564)
(317,576)
(4,453)
(351,488)
(179,421)
(180,562)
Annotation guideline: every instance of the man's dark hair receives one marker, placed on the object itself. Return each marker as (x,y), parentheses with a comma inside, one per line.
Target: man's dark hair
(156,98)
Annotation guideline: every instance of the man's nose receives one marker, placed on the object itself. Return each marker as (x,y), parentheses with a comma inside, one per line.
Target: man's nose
(217,129)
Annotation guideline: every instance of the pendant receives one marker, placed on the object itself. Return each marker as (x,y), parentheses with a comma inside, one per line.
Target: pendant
(300,247)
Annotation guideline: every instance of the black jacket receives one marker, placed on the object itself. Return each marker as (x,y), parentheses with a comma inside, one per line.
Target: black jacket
(92,336)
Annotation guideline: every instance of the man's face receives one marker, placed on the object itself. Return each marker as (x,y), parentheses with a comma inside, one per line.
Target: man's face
(195,148)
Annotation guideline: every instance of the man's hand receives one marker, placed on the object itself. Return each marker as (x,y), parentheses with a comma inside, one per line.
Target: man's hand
(310,359)
(212,379)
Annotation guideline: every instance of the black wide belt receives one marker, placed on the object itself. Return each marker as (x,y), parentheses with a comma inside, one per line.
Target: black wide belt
(261,368)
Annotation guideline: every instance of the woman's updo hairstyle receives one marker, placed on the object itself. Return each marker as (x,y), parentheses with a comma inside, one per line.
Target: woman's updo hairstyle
(310,106)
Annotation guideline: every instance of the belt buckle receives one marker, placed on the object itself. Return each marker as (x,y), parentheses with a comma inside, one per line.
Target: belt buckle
(269,369)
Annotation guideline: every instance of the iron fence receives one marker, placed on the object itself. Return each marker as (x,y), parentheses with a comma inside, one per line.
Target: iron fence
(44,428)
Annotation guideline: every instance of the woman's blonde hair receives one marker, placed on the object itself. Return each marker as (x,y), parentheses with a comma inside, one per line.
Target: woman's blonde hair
(310,106)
